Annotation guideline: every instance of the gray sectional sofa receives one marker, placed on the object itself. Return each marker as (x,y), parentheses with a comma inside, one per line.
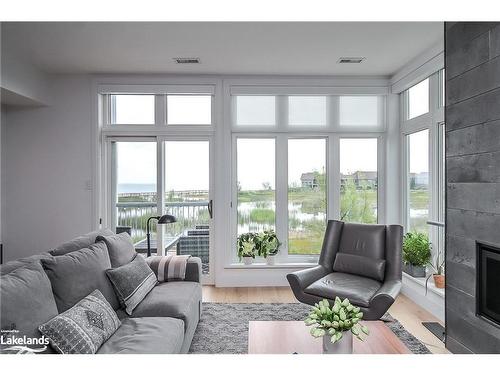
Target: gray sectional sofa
(164,322)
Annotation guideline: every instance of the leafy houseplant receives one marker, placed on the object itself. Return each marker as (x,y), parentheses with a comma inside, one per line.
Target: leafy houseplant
(336,324)
(438,274)
(246,247)
(416,253)
(267,245)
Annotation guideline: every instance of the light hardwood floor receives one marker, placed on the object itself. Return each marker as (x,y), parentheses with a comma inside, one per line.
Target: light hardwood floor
(409,314)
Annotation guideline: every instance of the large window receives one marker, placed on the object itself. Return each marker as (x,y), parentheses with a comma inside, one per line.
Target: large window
(423,153)
(256,184)
(306,195)
(293,169)
(418,180)
(359,180)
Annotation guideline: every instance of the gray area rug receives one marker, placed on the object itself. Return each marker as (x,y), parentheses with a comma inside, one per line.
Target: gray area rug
(223,328)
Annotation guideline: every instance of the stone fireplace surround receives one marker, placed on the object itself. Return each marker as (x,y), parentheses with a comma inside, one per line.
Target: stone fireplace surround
(472,59)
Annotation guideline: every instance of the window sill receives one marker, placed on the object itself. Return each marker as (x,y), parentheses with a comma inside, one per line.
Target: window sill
(262,265)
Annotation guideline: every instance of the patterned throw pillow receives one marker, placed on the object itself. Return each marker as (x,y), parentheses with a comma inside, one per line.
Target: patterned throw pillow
(132,282)
(169,267)
(83,328)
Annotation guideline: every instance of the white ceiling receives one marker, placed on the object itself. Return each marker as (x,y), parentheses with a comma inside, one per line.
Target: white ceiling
(224,48)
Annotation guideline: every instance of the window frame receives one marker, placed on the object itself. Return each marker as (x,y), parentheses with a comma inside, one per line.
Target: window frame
(431,121)
(332,133)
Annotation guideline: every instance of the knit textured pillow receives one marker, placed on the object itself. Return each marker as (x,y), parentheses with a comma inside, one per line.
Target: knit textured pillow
(83,328)
(132,282)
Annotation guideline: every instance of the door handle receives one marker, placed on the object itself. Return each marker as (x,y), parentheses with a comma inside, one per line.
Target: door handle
(210,207)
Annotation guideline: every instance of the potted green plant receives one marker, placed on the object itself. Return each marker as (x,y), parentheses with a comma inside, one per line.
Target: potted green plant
(336,324)
(416,253)
(267,245)
(438,274)
(246,247)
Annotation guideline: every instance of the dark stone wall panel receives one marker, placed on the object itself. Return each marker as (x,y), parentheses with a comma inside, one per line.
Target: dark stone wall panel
(477,81)
(474,168)
(474,140)
(474,196)
(469,56)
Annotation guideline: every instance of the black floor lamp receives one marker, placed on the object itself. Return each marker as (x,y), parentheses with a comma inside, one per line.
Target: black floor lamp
(164,219)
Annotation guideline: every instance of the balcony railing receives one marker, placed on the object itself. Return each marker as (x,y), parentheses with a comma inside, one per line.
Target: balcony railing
(136,214)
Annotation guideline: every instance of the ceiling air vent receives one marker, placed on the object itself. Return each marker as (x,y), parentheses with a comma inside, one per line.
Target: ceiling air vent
(187,60)
(350,60)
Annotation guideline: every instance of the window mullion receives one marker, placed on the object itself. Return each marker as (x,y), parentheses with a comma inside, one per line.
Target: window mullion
(281,214)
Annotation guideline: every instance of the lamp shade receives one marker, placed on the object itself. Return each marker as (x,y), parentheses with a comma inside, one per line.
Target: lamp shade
(166,219)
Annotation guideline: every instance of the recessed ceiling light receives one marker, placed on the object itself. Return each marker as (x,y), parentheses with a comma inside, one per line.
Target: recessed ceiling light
(350,60)
(187,60)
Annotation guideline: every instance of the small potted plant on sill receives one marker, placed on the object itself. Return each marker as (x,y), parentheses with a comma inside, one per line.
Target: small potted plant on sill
(438,275)
(246,247)
(336,324)
(267,245)
(416,253)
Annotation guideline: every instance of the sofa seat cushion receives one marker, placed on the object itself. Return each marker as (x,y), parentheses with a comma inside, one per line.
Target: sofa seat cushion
(176,299)
(151,335)
(358,289)
(26,301)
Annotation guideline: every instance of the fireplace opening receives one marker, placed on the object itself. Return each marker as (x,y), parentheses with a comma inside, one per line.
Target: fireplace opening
(488,282)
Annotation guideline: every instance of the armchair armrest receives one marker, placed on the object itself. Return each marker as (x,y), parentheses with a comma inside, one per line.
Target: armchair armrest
(387,293)
(193,269)
(302,279)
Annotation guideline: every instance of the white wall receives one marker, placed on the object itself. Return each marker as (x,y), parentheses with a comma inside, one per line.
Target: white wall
(48,164)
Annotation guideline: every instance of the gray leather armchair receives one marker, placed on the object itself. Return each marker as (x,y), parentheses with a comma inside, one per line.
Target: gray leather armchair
(360,262)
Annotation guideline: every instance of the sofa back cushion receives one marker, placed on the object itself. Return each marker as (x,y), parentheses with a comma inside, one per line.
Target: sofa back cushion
(77,274)
(80,242)
(22,262)
(360,265)
(26,300)
(363,239)
(120,248)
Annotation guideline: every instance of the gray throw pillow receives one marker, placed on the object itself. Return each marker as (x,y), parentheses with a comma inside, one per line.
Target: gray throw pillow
(26,302)
(360,265)
(120,248)
(79,242)
(83,328)
(75,275)
(132,282)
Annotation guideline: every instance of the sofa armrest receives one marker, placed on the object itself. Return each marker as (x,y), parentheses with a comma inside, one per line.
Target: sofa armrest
(300,280)
(193,269)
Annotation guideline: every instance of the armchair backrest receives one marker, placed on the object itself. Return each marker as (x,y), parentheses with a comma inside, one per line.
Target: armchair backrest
(374,241)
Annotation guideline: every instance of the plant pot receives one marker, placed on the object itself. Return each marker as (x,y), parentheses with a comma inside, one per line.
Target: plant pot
(439,281)
(343,346)
(415,271)
(271,260)
(247,260)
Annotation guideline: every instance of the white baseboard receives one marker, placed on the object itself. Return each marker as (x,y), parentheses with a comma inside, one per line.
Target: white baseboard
(433,302)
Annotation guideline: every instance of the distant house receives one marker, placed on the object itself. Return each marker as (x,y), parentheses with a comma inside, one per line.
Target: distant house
(419,180)
(361,179)
(309,180)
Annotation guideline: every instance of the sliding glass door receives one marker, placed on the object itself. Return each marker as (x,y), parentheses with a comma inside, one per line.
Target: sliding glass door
(155,176)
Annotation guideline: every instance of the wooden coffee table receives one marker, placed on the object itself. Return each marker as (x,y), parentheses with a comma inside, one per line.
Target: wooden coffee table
(287,337)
